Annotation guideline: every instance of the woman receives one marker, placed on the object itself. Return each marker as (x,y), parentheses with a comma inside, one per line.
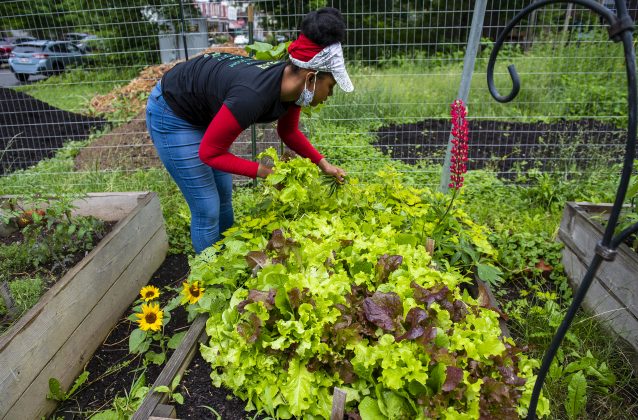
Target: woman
(200,107)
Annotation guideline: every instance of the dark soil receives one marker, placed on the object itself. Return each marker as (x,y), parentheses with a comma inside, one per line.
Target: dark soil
(501,145)
(31,130)
(199,393)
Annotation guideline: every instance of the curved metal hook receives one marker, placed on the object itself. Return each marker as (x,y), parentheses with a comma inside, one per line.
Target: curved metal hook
(516,82)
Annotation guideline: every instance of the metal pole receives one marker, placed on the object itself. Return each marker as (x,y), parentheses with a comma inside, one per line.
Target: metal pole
(251,40)
(183,29)
(473,43)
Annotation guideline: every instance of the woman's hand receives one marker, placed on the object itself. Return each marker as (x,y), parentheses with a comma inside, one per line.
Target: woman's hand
(332,170)
(263,171)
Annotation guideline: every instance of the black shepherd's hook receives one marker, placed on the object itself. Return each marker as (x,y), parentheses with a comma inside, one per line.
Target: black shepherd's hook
(620,29)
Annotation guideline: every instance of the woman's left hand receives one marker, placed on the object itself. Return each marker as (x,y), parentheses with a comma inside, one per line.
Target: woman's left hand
(332,170)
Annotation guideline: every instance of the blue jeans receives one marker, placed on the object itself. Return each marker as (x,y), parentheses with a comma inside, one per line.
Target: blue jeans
(207,191)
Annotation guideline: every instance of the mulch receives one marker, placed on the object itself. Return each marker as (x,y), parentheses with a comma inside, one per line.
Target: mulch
(32,130)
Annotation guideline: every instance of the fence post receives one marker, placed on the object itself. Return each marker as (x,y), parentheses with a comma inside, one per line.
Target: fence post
(473,43)
(183,25)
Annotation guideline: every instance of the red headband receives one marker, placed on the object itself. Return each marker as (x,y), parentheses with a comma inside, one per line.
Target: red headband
(303,49)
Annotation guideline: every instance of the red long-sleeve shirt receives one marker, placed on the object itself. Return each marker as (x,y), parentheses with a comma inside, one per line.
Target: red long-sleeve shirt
(224,130)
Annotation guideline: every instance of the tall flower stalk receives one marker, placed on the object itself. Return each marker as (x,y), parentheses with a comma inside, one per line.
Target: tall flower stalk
(458,161)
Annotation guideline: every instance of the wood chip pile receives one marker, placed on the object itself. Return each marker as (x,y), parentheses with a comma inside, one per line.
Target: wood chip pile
(131,99)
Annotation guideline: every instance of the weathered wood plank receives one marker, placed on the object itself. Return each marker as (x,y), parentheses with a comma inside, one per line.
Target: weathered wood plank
(70,359)
(164,411)
(581,235)
(338,404)
(613,295)
(108,206)
(41,332)
(606,307)
(176,365)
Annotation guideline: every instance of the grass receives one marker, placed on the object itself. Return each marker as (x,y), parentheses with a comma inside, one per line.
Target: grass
(74,89)
(557,81)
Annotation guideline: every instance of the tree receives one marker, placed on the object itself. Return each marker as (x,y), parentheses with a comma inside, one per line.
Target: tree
(127,29)
(381,29)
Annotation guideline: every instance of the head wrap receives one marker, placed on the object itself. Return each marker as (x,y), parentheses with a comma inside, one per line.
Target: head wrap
(306,54)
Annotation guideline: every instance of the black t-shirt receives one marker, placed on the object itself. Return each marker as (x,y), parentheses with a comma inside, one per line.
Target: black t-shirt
(196,89)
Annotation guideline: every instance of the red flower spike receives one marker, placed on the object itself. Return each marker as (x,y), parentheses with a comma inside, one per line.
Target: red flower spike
(460,134)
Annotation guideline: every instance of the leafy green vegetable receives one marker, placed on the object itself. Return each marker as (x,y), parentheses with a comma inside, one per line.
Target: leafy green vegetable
(316,290)
(576,395)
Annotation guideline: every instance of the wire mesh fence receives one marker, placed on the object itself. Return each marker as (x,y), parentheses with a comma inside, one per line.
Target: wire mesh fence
(75,76)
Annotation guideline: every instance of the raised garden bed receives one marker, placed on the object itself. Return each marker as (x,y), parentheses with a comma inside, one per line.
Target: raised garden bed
(57,337)
(613,295)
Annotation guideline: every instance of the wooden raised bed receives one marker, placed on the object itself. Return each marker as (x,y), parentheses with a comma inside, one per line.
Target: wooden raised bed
(57,337)
(613,295)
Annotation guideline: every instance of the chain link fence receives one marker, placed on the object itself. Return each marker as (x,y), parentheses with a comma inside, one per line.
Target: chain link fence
(75,76)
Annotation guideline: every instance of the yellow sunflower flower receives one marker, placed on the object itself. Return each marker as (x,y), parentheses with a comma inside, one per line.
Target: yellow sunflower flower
(149,293)
(151,317)
(192,292)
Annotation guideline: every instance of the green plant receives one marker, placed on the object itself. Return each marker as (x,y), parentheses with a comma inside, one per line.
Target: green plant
(213,411)
(265,51)
(124,407)
(26,292)
(51,230)
(629,217)
(55,389)
(170,391)
(14,259)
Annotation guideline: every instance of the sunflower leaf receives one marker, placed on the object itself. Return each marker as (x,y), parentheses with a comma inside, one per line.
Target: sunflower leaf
(176,340)
(137,342)
(153,357)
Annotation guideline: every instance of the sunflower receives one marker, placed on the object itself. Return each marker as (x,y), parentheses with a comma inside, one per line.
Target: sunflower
(192,292)
(149,293)
(151,317)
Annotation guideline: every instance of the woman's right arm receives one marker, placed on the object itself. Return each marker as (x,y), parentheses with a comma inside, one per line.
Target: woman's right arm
(213,150)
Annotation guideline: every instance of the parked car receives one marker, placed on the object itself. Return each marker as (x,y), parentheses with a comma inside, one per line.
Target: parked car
(43,57)
(8,43)
(81,40)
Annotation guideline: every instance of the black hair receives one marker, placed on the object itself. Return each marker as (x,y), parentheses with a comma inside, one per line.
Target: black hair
(324,26)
